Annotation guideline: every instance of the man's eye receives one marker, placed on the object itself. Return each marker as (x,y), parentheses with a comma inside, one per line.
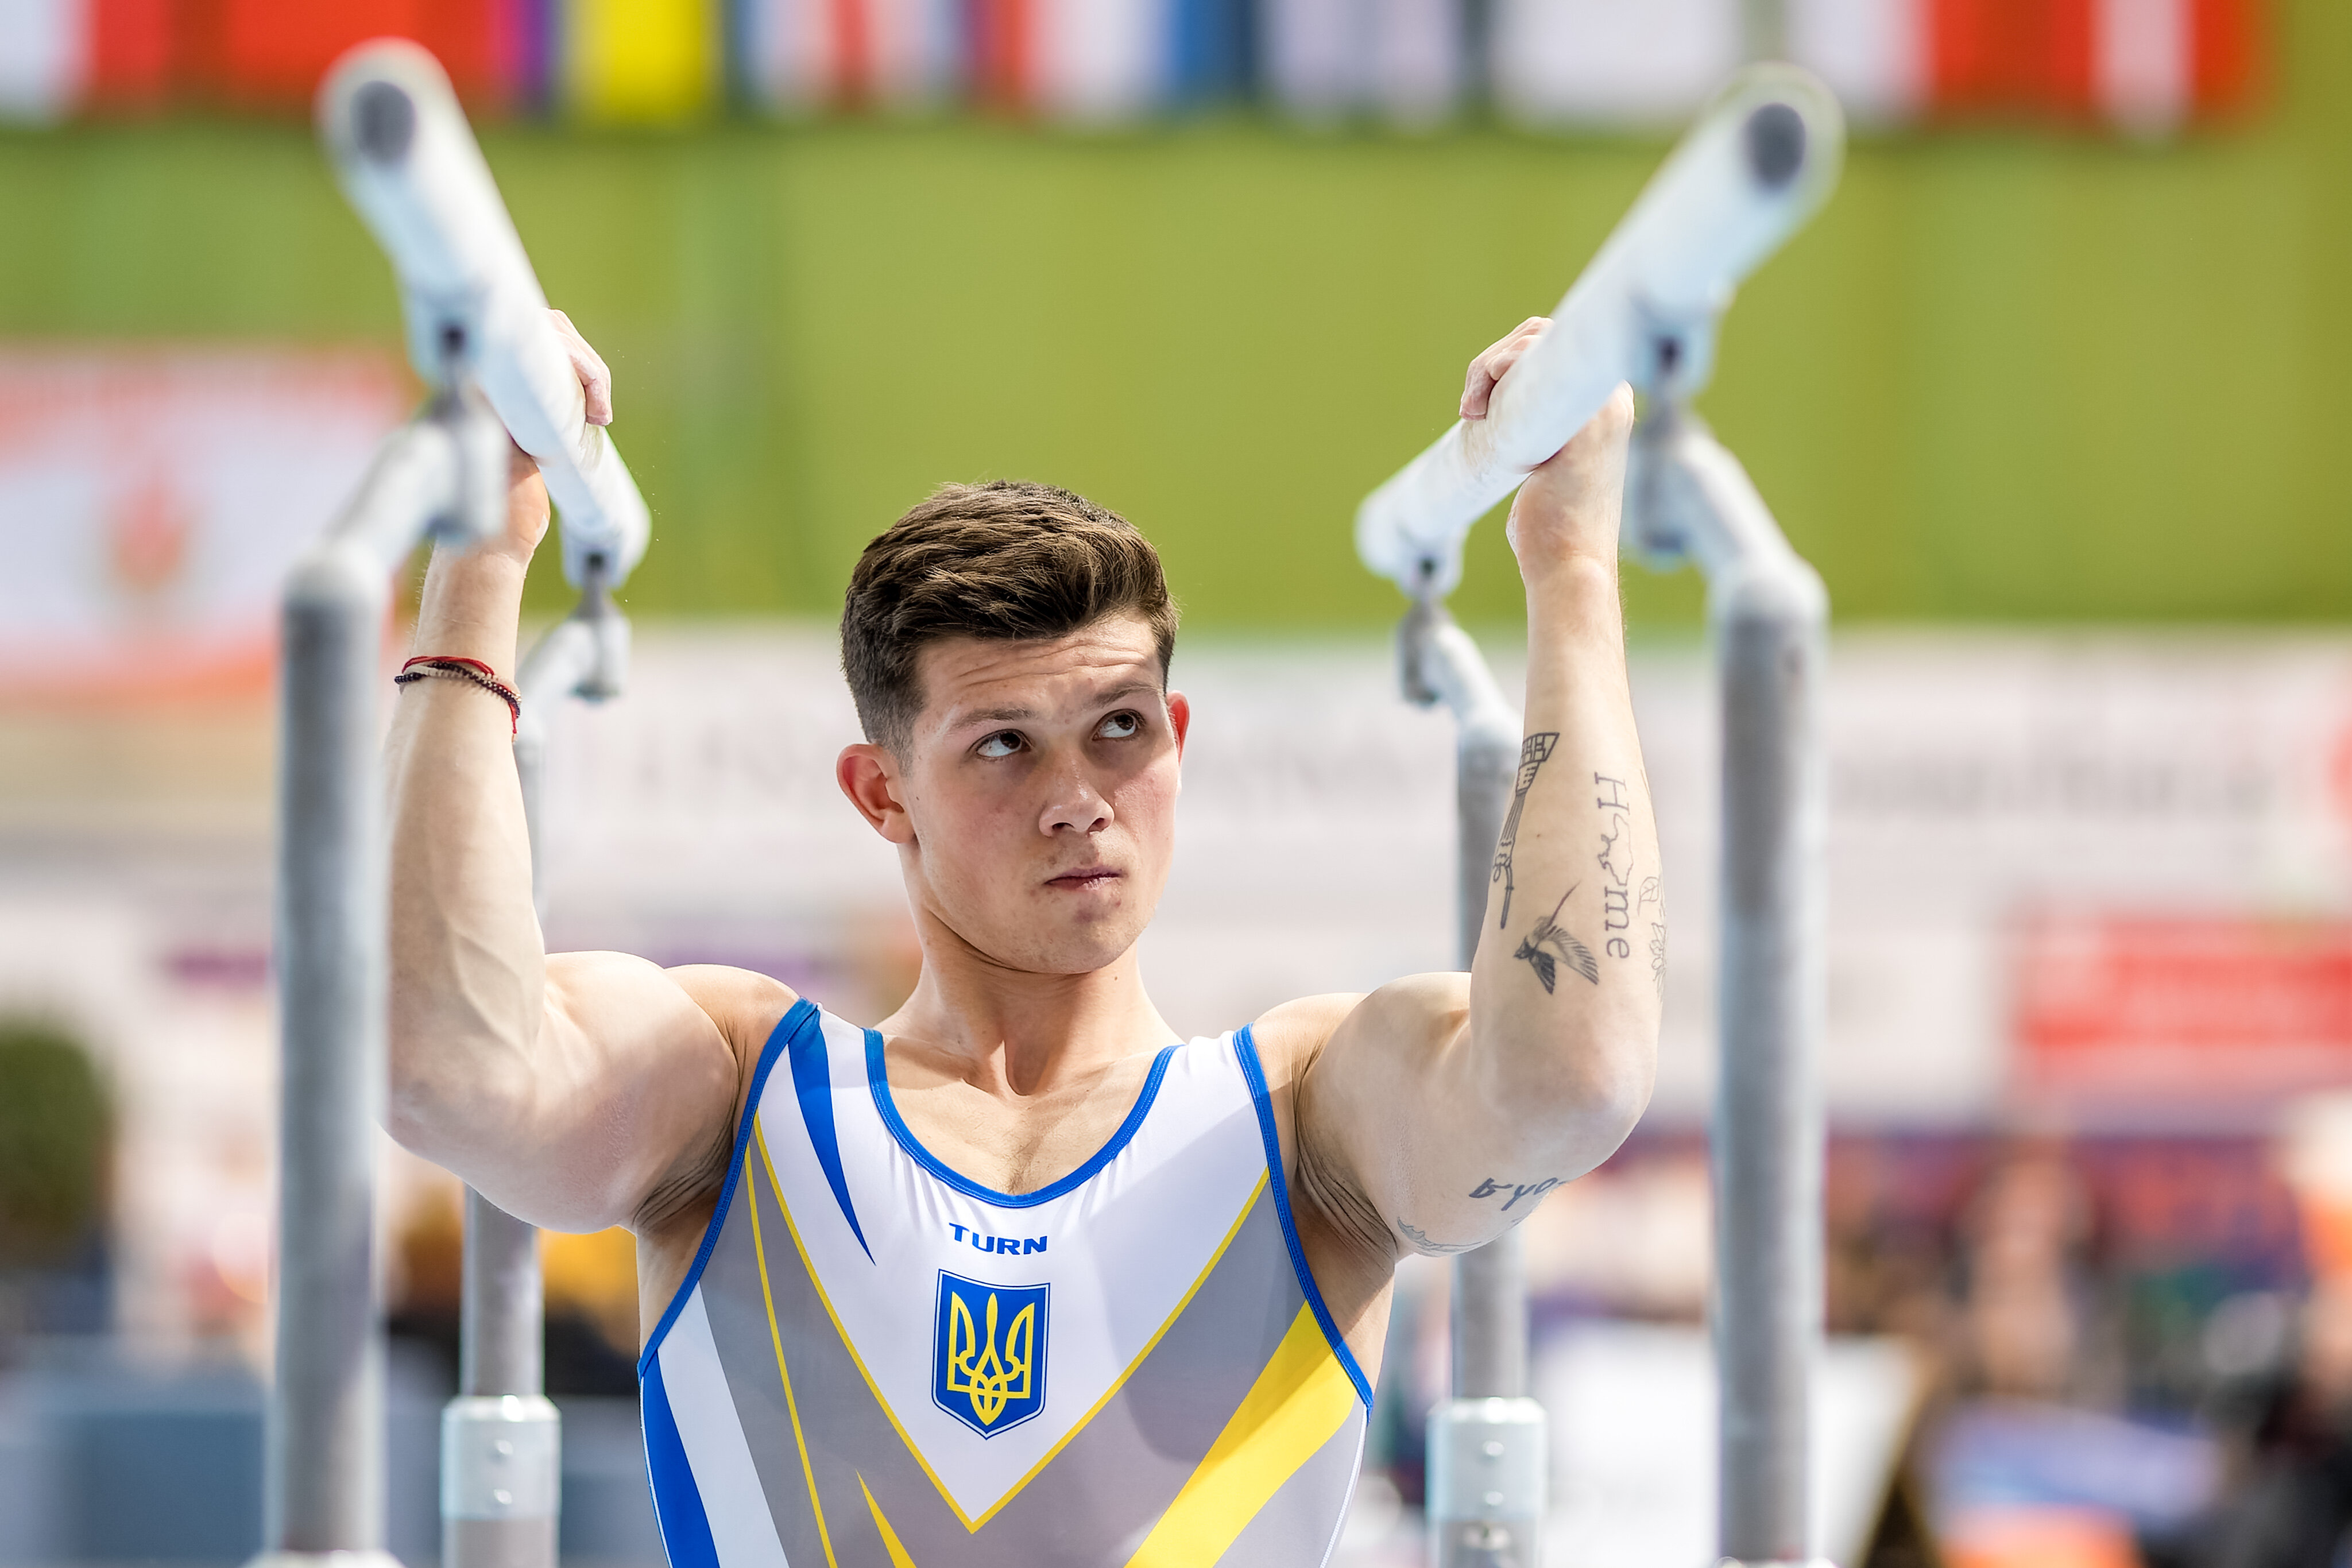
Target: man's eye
(1003,743)
(1121,726)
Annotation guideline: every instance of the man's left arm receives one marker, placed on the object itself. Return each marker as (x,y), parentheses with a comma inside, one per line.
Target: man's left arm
(1442,1107)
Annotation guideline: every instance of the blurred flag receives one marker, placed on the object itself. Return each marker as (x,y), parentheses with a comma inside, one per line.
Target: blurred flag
(272,53)
(44,59)
(2146,65)
(1087,60)
(1636,63)
(810,55)
(151,501)
(61,56)
(1399,58)
(1101,59)
(1212,52)
(638,61)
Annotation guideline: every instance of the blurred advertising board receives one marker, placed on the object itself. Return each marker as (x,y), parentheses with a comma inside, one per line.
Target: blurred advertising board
(2138,1008)
(152,499)
(2103,877)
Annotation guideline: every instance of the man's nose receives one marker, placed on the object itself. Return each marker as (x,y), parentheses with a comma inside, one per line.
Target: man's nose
(1075,804)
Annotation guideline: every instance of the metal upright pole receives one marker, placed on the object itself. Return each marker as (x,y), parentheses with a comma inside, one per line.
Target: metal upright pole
(1490,1316)
(1769,615)
(1487,1441)
(501,1437)
(324,1461)
(326,1427)
(1767,1117)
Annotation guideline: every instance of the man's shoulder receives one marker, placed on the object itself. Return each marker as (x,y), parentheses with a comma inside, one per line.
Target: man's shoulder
(744,1004)
(1291,1036)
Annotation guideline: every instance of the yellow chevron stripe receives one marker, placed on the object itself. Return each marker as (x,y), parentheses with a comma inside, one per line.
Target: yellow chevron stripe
(1298,1404)
(760,1135)
(1129,1371)
(899,1558)
(808,1472)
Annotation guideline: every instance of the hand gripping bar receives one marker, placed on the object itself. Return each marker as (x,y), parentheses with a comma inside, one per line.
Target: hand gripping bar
(1759,164)
(409,163)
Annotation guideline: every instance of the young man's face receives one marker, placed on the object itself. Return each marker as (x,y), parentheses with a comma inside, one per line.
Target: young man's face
(1034,807)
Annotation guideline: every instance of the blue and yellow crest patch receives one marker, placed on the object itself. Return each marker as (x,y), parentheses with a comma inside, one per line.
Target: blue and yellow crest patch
(988,1352)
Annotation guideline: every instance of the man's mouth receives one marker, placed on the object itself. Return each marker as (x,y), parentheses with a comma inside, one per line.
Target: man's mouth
(1084,877)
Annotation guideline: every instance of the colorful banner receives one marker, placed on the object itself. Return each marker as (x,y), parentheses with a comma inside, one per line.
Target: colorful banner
(151,501)
(2144,65)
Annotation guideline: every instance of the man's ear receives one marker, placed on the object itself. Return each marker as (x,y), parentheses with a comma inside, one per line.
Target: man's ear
(868,775)
(1179,719)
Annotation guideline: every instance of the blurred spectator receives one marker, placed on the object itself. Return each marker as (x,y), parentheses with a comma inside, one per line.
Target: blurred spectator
(2294,1506)
(1886,1270)
(2029,1292)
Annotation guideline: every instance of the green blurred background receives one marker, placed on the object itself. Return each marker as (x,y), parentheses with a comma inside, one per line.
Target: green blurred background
(2007,374)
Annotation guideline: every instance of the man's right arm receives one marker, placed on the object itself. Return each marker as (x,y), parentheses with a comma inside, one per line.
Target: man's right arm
(577,1091)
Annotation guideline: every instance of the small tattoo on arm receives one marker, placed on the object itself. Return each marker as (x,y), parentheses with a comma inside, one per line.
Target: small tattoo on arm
(1421,1243)
(1658,957)
(1550,934)
(1490,1187)
(1616,859)
(1533,753)
(1648,895)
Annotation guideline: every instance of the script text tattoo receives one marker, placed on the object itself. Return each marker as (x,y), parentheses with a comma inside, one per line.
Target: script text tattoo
(1421,1242)
(1490,1187)
(1616,860)
(1533,752)
(1549,942)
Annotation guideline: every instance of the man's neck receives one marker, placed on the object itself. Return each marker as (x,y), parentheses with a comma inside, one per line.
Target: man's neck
(1016,1033)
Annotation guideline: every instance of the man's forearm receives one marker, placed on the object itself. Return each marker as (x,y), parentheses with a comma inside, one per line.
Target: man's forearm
(467,965)
(1566,986)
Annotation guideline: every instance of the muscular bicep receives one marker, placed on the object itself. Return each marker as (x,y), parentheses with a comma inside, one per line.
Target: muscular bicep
(1404,1120)
(617,1112)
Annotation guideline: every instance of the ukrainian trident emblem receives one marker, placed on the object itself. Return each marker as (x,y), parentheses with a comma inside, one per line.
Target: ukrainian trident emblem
(988,1354)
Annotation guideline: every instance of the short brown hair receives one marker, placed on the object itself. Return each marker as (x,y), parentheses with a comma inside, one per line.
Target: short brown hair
(1004,560)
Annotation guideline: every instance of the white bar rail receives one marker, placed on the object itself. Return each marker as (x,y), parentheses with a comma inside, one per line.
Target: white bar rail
(409,163)
(1760,162)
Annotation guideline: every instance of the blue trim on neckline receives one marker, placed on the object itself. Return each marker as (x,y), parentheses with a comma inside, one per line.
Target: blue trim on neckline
(1246,1048)
(877,1076)
(801,1015)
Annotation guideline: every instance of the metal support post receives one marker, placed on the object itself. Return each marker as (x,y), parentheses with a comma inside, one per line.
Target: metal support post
(1768,613)
(501,1437)
(324,1480)
(1486,1443)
